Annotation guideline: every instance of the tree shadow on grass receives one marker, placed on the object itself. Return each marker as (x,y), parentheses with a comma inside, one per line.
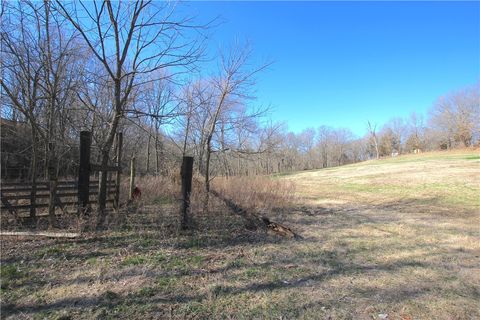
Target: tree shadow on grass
(219,233)
(156,297)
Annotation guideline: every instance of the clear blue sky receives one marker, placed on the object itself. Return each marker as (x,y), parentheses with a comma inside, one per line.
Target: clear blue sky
(343,63)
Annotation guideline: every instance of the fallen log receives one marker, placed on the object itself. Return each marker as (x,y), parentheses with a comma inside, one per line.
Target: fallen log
(40,234)
(258,220)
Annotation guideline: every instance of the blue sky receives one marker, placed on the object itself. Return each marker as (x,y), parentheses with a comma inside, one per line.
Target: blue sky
(343,63)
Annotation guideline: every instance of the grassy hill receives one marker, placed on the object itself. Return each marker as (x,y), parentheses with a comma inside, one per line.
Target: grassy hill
(438,181)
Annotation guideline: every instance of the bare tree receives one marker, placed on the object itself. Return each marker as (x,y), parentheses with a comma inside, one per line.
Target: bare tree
(340,142)
(456,117)
(373,136)
(161,110)
(398,127)
(416,131)
(21,78)
(38,59)
(130,39)
(323,144)
(231,88)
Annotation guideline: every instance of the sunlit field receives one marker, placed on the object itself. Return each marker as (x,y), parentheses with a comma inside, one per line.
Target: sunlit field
(389,239)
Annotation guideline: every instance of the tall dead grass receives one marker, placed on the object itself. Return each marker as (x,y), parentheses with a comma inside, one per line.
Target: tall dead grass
(259,193)
(251,193)
(155,189)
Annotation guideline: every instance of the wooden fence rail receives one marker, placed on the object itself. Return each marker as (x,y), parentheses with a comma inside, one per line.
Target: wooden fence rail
(12,191)
(44,196)
(9,184)
(43,188)
(46,205)
(60,194)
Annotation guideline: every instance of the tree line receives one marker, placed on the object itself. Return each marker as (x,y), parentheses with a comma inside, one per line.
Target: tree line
(138,67)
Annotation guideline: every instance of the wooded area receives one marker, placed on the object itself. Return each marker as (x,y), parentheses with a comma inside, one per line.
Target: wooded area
(137,68)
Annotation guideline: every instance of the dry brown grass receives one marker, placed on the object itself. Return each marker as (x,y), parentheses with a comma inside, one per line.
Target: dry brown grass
(441,181)
(258,193)
(400,256)
(155,189)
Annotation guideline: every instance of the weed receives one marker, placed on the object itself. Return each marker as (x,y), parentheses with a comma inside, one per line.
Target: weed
(158,258)
(9,274)
(252,272)
(166,282)
(10,271)
(133,261)
(195,260)
(237,263)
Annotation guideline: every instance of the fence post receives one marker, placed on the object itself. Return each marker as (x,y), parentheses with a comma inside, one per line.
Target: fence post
(132,178)
(52,182)
(84,172)
(119,171)
(186,173)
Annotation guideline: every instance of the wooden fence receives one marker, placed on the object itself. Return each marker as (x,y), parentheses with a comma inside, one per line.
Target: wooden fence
(17,197)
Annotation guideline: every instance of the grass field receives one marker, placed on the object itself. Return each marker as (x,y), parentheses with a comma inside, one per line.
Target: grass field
(439,180)
(390,239)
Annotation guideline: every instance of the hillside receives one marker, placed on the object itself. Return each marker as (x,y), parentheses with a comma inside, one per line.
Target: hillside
(435,181)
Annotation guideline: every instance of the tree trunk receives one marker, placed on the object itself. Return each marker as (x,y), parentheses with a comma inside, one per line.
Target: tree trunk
(102,191)
(52,177)
(207,178)
(33,175)
(187,131)
(186,174)
(105,156)
(147,165)
(132,179)
(157,155)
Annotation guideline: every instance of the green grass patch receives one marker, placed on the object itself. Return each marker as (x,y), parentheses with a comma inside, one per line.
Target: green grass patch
(146,292)
(237,263)
(158,258)
(166,282)
(175,262)
(472,157)
(163,200)
(283,174)
(10,273)
(252,272)
(54,250)
(195,260)
(146,242)
(133,261)
(50,251)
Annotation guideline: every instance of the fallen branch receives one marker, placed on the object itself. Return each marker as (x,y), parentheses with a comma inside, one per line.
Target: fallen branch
(258,220)
(40,234)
